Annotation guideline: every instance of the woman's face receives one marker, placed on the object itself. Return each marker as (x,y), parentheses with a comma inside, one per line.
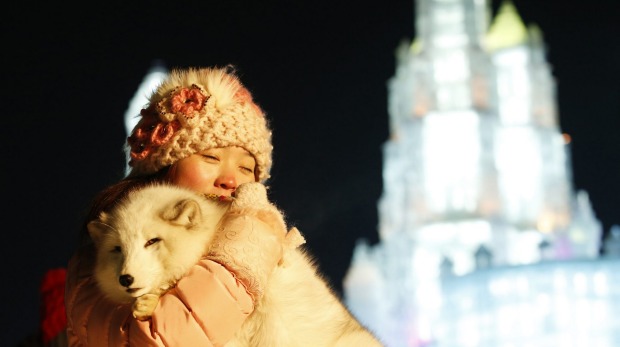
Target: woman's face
(214,171)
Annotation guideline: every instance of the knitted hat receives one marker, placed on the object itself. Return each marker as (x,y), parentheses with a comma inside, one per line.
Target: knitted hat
(196,109)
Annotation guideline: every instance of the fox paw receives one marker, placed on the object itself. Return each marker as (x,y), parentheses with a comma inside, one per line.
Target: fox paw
(144,306)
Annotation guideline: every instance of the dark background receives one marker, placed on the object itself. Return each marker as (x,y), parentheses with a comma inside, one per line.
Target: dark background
(318,68)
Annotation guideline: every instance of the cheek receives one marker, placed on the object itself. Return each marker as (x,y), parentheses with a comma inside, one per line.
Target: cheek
(192,176)
(245,179)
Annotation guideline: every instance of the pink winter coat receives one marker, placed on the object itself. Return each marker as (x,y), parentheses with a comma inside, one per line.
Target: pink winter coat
(191,317)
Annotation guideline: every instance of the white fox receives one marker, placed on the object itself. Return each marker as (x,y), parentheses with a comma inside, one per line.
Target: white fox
(153,237)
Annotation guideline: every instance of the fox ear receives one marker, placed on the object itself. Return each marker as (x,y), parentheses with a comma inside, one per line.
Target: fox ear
(97,228)
(184,213)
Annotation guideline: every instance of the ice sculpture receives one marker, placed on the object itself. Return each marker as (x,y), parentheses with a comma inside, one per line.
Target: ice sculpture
(483,239)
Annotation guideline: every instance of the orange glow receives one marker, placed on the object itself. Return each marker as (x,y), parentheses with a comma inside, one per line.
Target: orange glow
(567,138)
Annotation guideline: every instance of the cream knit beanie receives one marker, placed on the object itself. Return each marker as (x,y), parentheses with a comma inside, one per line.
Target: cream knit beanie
(196,109)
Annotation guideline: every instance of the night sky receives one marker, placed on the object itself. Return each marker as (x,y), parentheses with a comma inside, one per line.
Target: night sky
(318,68)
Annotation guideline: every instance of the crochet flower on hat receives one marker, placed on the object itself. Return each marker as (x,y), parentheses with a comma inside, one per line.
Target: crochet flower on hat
(150,134)
(173,112)
(187,101)
(183,104)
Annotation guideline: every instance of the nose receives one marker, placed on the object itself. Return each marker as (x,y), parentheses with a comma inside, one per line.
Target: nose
(226,180)
(125,280)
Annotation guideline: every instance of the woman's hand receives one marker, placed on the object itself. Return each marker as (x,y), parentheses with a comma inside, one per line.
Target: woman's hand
(251,238)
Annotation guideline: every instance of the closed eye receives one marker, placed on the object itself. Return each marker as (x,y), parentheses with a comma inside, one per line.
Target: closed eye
(210,157)
(116,249)
(152,242)
(247,169)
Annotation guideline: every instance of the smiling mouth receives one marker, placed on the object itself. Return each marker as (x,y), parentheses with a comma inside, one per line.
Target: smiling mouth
(132,290)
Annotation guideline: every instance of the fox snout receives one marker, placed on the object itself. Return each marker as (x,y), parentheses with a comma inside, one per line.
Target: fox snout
(125,280)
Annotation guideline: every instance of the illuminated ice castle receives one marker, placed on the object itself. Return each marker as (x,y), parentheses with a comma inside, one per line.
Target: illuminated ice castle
(483,239)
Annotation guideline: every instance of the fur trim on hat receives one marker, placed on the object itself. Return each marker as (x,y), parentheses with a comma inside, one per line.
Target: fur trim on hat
(196,109)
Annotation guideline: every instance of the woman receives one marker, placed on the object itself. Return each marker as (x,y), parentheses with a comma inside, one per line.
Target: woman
(201,130)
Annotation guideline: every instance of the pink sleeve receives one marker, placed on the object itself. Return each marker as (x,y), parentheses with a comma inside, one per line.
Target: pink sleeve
(186,316)
(206,308)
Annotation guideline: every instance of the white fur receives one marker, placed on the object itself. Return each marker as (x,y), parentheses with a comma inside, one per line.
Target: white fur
(298,307)
(183,224)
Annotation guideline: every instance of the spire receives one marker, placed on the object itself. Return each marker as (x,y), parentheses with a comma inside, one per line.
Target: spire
(507,29)
(150,82)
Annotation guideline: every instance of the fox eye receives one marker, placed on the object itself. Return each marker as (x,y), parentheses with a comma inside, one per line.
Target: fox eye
(116,249)
(152,242)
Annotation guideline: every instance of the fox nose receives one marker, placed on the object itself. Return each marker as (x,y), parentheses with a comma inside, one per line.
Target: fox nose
(125,280)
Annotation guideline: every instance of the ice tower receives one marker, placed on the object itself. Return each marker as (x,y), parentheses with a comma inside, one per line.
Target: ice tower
(478,219)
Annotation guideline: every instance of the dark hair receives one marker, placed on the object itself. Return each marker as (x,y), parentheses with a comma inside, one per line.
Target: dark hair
(107,198)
